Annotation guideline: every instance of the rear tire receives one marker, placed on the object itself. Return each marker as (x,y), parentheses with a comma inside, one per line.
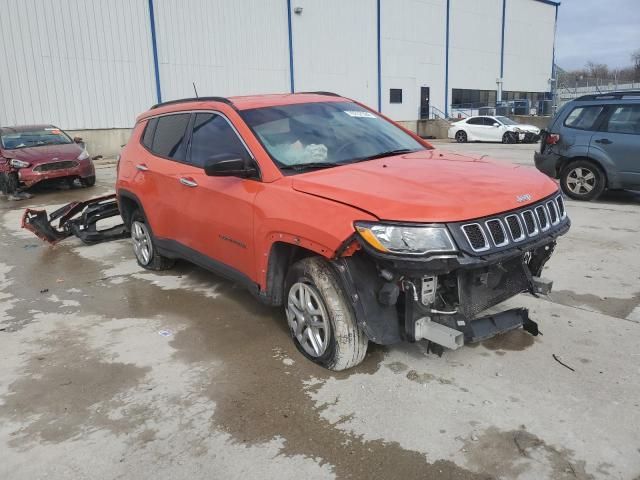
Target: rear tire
(88,181)
(582,180)
(144,248)
(461,136)
(321,321)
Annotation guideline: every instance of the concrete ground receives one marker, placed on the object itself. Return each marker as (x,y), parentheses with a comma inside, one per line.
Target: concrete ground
(109,371)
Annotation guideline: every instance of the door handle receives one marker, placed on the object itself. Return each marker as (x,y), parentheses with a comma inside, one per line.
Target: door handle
(142,167)
(188,182)
(604,141)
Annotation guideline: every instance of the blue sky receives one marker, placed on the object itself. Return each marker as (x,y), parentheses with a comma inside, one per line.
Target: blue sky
(604,31)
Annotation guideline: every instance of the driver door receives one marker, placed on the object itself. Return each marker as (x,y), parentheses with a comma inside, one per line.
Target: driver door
(219,211)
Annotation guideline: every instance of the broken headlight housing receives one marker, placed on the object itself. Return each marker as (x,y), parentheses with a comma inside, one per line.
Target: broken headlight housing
(405,239)
(15,163)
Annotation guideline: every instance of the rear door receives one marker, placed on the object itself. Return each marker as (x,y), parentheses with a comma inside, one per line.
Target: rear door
(219,211)
(167,169)
(475,128)
(619,140)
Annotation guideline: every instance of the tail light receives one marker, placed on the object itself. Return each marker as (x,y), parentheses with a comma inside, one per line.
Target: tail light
(552,138)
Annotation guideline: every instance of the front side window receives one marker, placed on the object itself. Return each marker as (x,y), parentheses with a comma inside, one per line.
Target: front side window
(624,119)
(169,139)
(583,118)
(34,138)
(212,135)
(326,134)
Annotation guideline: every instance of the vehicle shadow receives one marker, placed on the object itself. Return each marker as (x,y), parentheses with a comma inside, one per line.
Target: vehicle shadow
(620,197)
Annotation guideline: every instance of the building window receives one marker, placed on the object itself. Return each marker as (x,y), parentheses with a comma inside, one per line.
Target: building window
(469,98)
(395,95)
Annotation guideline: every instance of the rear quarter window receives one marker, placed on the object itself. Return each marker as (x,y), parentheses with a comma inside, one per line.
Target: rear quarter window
(584,117)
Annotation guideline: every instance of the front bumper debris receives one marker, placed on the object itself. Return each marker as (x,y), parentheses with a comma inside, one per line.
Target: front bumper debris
(76,218)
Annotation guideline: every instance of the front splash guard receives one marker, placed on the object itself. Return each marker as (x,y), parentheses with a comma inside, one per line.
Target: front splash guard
(76,218)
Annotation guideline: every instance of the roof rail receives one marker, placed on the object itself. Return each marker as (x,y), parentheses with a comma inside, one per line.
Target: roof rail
(328,94)
(194,99)
(614,95)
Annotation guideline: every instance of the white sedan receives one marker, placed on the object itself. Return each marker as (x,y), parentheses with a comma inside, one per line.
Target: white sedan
(492,129)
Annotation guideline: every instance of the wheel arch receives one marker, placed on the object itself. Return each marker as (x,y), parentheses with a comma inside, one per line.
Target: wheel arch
(127,204)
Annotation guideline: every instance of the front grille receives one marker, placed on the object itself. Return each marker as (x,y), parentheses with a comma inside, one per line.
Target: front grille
(541,213)
(497,232)
(560,202)
(515,227)
(49,167)
(476,237)
(520,226)
(553,212)
(530,223)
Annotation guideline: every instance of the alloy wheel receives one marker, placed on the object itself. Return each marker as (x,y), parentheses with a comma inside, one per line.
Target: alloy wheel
(142,246)
(308,319)
(581,180)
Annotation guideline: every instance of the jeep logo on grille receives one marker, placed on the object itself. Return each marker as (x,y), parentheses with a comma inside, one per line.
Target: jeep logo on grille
(523,198)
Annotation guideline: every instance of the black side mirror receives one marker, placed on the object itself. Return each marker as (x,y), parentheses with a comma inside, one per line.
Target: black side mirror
(230,165)
(78,140)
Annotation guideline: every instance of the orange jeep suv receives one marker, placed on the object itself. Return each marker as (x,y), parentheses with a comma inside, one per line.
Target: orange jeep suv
(359,228)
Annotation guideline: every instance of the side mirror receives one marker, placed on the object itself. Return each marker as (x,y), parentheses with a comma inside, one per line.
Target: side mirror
(77,140)
(230,165)
(496,124)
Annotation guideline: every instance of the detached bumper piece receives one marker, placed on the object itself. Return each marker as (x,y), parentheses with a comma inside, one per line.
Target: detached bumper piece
(76,218)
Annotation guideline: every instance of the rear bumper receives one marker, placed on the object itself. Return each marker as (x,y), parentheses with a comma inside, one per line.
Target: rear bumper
(30,176)
(547,163)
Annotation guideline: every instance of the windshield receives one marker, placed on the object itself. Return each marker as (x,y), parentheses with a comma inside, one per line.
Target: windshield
(34,138)
(506,121)
(321,135)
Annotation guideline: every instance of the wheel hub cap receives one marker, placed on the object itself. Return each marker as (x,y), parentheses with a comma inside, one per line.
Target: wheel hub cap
(308,319)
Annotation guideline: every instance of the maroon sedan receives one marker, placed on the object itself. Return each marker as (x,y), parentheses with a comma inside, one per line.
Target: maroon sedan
(32,153)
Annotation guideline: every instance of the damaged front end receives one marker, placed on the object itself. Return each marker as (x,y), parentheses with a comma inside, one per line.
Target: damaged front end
(77,218)
(447,298)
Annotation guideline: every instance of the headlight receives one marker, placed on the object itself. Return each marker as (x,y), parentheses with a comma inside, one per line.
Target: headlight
(84,155)
(406,240)
(15,163)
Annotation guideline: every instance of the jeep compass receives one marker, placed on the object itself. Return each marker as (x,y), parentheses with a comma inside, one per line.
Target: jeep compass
(358,228)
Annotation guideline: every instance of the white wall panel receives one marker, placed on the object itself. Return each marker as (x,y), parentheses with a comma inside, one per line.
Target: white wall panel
(413,54)
(335,48)
(226,47)
(528,45)
(474,44)
(75,63)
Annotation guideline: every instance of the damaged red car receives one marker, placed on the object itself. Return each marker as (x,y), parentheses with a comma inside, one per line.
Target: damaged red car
(31,154)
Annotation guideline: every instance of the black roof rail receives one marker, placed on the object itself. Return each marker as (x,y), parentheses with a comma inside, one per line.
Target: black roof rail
(613,95)
(328,94)
(194,99)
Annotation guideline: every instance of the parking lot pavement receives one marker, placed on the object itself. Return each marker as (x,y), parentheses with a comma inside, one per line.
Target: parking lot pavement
(109,371)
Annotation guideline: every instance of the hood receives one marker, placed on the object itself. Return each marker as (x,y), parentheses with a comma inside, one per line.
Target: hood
(429,186)
(45,153)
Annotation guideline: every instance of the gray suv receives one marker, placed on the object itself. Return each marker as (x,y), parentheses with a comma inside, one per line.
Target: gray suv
(593,143)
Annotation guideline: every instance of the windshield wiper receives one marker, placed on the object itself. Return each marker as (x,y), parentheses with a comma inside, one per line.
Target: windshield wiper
(311,165)
(384,154)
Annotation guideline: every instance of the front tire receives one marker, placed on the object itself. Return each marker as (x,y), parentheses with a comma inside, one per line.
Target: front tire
(461,136)
(9,183)
(321,321)
(509,137)
(88,181)
(582,180)
(144,249)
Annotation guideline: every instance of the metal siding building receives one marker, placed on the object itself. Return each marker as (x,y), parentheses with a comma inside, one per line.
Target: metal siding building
(94,64)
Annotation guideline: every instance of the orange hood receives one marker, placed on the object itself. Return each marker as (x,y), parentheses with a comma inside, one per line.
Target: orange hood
(429,186)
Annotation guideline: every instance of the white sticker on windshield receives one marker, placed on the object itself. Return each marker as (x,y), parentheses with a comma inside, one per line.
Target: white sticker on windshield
(359,114)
